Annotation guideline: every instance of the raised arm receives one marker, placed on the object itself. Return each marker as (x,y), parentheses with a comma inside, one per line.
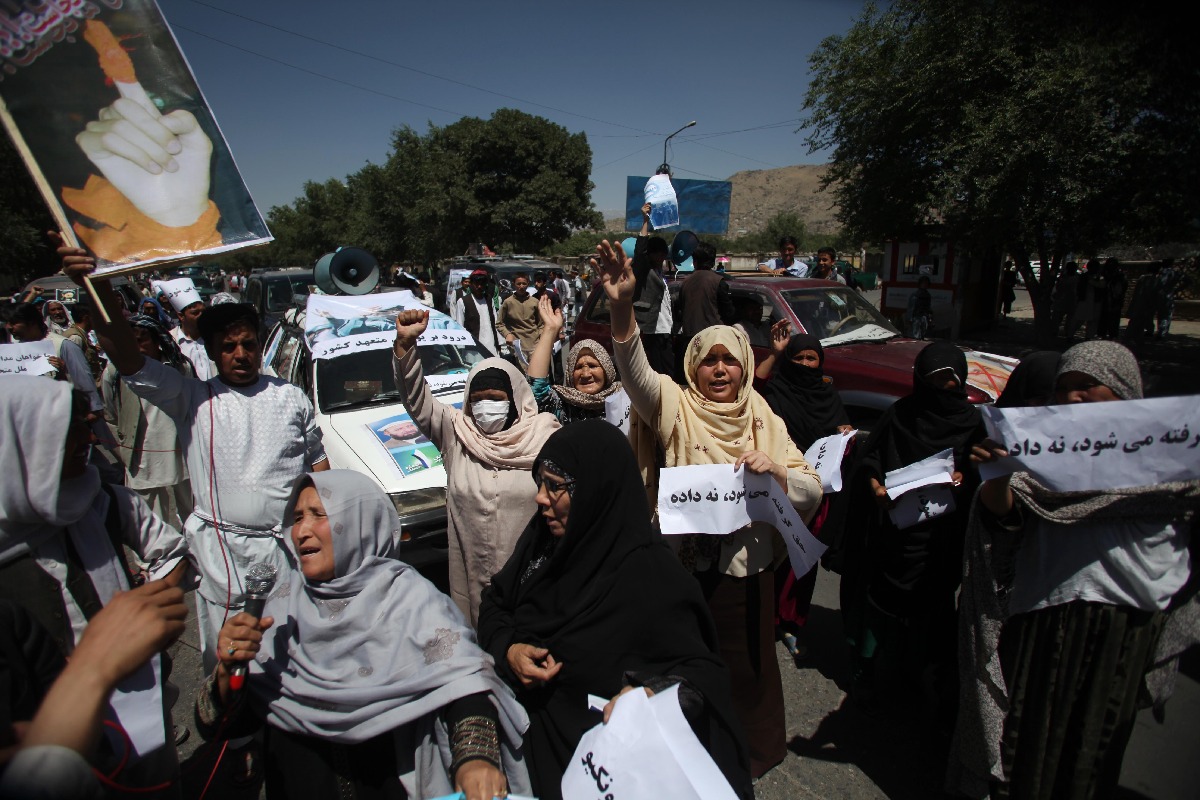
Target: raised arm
(552,325)
(781,332)
(426,412)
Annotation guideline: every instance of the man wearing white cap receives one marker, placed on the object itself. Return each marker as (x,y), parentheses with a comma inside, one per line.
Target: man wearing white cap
(182,295)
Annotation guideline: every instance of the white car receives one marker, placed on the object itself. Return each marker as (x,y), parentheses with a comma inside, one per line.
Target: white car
(365,427)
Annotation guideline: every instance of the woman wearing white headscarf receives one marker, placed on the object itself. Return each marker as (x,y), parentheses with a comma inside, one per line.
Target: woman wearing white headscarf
(368,679)
(718,418)
(487,449)
(1064,598)
(590,379)
(62,534)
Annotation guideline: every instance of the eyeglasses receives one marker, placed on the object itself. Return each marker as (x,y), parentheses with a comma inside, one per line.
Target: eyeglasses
(553,487)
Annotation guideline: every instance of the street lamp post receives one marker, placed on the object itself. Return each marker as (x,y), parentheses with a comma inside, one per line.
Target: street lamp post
(665,169)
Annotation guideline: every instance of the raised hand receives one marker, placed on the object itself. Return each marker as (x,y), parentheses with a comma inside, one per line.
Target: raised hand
(616,272)
(552,318)
(76,262)
(410,324)
(781,334)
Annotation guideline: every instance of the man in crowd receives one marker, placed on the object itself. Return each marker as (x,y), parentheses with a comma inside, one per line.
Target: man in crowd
(477,313)
(704,298)
(27,325)
(188,306)
(518,320)
(651,300)
(827,266)
(78,334)
(786,263)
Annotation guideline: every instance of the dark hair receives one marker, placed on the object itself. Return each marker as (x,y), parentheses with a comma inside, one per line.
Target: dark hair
(524,275)
(657,244)
(78,310)
(832,253)
(28,314)
(784,241)
(540,275)
(217,320)
(704,256)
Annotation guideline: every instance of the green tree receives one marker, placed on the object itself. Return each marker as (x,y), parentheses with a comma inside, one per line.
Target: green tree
(1029,128)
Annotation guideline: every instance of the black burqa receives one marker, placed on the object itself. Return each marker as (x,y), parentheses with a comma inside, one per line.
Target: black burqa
(612,603)
(1032,382)
(809,405)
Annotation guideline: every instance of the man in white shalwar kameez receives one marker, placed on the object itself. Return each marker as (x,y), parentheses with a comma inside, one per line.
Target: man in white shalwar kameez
(245,436)
(182,295)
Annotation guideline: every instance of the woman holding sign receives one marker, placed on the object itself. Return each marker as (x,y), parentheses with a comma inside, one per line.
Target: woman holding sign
(592,602)
(718,418)
(1065,595)
(901,575)
(794,385)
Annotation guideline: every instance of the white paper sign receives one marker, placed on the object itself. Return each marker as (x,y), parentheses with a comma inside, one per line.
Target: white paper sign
(922,504)
(137,704)
(179,292)
(713,499)
(1098,446)
(337,325)
(938,468)
(647,751)
(664,205)
(825,457)
(617,409)
(26,358)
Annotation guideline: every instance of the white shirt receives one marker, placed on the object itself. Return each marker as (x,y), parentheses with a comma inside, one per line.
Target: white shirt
(195,352)
(244,447)
(487,331)
(665,322)
(798,269)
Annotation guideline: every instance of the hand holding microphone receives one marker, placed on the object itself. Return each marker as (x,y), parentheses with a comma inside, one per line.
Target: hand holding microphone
(241,636)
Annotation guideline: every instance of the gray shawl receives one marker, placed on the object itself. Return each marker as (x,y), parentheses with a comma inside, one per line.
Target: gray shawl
(375,649)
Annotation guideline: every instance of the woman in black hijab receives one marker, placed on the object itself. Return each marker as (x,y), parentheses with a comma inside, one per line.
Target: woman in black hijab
(898,590)
(1032,382)
(593,601)
(792,380)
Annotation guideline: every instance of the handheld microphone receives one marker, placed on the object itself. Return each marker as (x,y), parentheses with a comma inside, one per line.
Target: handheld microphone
(260,580)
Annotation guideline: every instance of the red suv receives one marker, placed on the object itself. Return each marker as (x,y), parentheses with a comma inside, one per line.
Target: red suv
(868,360)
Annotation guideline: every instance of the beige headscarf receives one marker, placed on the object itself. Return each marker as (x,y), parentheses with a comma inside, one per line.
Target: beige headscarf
(517,446)
(691,429)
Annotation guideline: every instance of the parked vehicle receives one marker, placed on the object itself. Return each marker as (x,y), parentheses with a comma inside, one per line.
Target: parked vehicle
(866,357)
(365,427)
(271,292)
(50,284)
(502,270)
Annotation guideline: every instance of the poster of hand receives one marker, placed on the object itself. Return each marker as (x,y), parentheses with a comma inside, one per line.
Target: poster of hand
(104,109)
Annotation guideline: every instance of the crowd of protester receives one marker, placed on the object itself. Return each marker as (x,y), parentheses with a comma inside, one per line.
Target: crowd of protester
(349,674)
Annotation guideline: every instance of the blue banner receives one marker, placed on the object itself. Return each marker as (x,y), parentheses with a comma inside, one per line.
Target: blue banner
(703,205)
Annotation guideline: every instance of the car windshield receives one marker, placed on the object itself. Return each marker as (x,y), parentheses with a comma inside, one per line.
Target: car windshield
(357,380)
(281,290)
(838,316)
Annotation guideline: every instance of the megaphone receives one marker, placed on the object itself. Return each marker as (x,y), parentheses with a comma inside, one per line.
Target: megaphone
(347,270)
(682,247)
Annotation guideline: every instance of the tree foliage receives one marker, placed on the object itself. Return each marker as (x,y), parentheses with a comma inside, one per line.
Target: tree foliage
(1030,128)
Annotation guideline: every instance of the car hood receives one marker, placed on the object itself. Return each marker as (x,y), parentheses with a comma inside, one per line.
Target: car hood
(351,443)
(987,372)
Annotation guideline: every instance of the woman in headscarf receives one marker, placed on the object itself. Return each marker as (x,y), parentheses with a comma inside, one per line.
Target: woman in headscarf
(590,376)
(1064,598)
(487,448)
(147,442)
(594,602)
(898,585)
(63,537)
(153,309)
(718,418)
(793,383)
(367,678)
(1032,382)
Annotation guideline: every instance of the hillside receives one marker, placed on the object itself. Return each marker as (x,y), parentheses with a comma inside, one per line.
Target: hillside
(760,194)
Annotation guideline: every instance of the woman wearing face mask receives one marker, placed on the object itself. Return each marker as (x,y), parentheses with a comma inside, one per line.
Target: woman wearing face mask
(718,418)
(1069,599)
(487,449)
(793,384)
(591,377)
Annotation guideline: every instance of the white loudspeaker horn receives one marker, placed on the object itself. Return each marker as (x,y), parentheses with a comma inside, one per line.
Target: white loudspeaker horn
(347,270)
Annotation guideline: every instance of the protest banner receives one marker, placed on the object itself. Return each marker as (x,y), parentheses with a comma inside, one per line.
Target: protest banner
(703,205)
(66,295)
(617,410)
(107,116)
(408,450)
(825,457)
(647,751)
(715,499)
(921,489)
(337,325)
(27,358)
(1098,446)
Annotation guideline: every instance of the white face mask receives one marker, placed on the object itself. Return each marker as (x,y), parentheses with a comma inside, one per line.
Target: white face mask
(490,415)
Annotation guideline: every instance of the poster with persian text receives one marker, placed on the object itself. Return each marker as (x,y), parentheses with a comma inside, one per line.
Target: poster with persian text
(100,102)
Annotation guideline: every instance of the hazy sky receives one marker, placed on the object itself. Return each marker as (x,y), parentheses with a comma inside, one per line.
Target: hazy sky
(625,73)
